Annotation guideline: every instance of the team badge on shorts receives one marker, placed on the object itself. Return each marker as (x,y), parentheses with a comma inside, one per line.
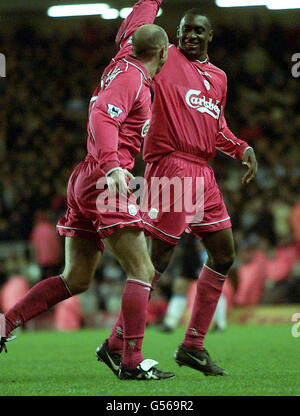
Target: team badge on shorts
(132,210)
(153,213)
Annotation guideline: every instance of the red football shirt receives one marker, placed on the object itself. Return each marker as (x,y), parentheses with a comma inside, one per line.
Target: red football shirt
(188,111)
(120,108)
(189,102)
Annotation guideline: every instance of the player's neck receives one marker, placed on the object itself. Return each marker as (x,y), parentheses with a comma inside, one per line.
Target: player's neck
(151,67)
(203,57)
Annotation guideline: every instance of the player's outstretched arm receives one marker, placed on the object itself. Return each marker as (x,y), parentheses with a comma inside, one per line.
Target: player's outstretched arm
(144,12)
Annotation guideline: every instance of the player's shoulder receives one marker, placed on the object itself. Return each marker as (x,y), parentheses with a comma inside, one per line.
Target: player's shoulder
(126,65)
(124,74)
(217,71)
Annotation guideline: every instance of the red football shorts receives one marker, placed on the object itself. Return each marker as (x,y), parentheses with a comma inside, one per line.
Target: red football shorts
(181,194)
(94,213)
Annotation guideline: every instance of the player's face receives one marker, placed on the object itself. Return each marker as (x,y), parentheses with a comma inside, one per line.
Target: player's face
(194,34)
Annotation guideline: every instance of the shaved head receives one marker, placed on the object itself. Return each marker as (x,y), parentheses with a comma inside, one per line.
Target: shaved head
(148,40)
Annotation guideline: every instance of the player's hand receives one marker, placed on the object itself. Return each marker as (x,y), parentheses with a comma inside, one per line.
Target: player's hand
(117,182)
(249,160)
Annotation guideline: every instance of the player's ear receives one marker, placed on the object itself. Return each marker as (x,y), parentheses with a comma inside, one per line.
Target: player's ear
(210,35)
(163,53)
(178,32)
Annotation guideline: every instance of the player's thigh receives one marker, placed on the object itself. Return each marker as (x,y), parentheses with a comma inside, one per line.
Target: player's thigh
(130,248)
(81,258)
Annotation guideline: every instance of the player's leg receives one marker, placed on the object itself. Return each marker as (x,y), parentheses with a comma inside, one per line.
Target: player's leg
(221,255)
(220,249)
(160,252)
(177,303)
(82,256)
(190,263)
(130,248)
(115,342)
(219,318)
(156,226)
(81,259)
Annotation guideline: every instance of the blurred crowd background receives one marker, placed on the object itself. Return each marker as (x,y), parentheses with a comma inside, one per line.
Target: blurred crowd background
(43,116)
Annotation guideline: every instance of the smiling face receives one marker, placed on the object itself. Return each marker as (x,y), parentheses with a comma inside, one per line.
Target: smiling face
(194,34)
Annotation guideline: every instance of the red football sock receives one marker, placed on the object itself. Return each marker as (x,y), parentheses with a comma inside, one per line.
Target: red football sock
(115,340)
(38,299)
(134,311)
(209,289)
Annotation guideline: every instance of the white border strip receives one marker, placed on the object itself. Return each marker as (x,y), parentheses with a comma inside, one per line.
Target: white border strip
(209,223)
(78,229)
(118,223)
(113,170)
(169,235)
(248,147)
(140,281)
(236,143)
(139,88)
(220,274)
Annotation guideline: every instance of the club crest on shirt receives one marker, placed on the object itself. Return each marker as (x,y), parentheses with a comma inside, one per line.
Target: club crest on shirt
(113,111)
(198,101)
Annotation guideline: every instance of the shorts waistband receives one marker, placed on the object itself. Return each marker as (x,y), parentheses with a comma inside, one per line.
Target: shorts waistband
(189,157)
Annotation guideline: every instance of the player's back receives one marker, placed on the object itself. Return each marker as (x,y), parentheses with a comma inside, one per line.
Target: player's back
(123,102)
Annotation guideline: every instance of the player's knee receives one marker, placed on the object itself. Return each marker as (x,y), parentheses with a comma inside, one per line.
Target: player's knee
(142,271)
(161,255)
(160,264)
(75,284)
(225,262)
(222,263)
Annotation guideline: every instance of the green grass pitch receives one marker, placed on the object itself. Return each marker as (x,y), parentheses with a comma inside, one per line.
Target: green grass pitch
(260,360)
